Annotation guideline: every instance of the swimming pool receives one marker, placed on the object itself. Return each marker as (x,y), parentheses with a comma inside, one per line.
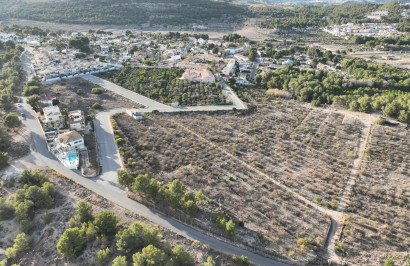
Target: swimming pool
(72,157)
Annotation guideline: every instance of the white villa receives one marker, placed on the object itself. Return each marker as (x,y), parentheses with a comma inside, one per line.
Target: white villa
(66,148)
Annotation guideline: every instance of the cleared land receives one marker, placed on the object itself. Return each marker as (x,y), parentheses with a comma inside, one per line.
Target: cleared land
(75,94)
(46,236)
(378,224)
(308,150)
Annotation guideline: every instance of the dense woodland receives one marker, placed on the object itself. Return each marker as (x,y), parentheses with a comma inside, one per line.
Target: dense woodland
(308,15)
(366,87)
(10,77)
(135,12)
(392,43)
(165,86)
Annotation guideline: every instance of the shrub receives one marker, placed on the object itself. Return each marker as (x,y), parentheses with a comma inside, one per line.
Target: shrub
(380,121)
(341,247)
(124,178)
(150,255)
(209,262)
(46,218)
(6,209)
(137,236)
(11,120)
(22,242)
(96,91)
(103,256)
(96,106)
(84,211)
(120,261)
(388,262)
(190,208)
(71,242)
(244,259)
(33,178)
(25,210)
(181,257)
(106,222)
(4,159)
(26,226)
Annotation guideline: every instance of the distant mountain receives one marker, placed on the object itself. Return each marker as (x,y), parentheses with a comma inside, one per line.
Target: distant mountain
(320,2)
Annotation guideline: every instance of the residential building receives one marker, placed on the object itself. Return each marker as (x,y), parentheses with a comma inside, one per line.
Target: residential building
(230,68)
(241,58)
(135,114)
(47,100)
(70,141)
(52,114)
(76,120)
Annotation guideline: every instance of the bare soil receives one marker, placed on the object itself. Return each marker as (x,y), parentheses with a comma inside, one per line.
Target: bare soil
(378,226)
(274,220)
(66,92)
(46,236)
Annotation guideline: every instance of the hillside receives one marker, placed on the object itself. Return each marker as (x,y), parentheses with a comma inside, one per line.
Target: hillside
(123,12)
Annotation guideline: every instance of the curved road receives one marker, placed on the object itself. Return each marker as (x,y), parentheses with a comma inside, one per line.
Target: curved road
(106,185)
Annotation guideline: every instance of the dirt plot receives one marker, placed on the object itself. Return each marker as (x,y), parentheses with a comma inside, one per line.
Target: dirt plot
(275,222)
(46,236)
(379,224)
(67,93)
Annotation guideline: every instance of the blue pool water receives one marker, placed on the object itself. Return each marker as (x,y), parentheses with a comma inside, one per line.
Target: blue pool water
(72,157)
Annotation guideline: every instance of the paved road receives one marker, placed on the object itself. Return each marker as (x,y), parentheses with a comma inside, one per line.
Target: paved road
(107,188)
(255,68)
(154,105)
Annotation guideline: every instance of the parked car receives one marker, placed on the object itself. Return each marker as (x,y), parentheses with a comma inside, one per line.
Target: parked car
(23,115)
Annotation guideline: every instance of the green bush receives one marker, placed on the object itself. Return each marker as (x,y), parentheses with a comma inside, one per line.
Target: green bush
(106,222)
(71,243)
(181,257)
(84,211)
(22,242)
(103,256)
(150,255)
(6,209)
(33,178)
(388,262)
(120,261)
(96,91)
(46,218)
(226,224)
(4,159)
(11,120)
(26,226)
(137,236)
(96,106)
